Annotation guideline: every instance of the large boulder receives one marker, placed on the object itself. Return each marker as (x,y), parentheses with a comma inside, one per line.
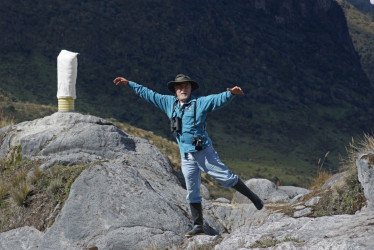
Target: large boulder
(67,139)
(114,206)
(128,197)
(269,192)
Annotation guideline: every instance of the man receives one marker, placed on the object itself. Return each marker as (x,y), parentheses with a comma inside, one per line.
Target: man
(187,115)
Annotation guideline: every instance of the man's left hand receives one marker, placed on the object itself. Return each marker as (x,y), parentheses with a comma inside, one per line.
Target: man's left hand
(236,90)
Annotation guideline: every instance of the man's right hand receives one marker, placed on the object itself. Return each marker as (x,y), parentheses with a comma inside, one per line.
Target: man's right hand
(121,80)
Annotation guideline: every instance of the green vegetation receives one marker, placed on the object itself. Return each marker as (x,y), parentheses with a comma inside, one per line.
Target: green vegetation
(347,197)
(360,21)
(271,242)
(29,196)
(13,111)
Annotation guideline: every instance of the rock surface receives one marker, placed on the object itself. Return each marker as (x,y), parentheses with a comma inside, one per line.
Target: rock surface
(365,169)
(330,232)
(269,192)
(130,198)
(24,238)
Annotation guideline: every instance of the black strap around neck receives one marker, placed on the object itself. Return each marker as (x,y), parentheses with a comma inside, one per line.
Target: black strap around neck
(194,113)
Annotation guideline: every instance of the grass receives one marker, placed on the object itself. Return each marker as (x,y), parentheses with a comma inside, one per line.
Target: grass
(322,174)
(36,201)
(35,175)
(12,112)
(20,192)
(5,120)
(4,189)
(271,242)
(29,196)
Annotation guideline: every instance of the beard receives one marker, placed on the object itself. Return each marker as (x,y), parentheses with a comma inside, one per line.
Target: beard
(183,97)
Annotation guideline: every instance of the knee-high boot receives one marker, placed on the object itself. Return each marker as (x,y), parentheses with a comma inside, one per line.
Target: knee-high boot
(197,217)
(243,189)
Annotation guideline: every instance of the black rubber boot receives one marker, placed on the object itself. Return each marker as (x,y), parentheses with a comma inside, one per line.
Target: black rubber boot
(197,217)
(244,190)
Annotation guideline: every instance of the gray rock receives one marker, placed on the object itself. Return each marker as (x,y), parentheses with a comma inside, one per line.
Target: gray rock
(110,205)
(197,242)
(303,212)
(222,200)
(205,192)
(313,201)
(232,216)
(336,179)
(296,199)
(293,191)
(23,238)
(330,232)
(269,192)
(67,138)
(129,198)
(365,169)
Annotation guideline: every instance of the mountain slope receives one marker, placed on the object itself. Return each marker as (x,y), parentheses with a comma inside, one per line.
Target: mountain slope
(361,27)
(306,93)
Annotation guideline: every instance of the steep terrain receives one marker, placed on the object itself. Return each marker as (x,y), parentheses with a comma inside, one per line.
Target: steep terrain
(360,19)
(306,93)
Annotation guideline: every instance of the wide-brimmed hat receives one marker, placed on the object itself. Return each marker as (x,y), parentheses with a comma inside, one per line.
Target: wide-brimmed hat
(182,78)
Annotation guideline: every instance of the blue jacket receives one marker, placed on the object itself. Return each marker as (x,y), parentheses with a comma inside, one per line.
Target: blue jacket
(205,105)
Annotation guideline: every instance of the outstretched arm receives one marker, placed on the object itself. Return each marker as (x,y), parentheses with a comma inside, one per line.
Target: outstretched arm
(213,102)
(161,101)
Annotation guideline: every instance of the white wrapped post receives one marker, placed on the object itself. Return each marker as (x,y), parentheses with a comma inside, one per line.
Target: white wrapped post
(67,67)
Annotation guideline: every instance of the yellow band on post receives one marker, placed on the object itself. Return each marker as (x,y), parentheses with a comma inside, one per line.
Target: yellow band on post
(66,104)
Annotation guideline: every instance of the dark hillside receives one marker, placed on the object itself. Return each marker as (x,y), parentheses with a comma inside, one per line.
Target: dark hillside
(306,93)
(363,5)
(360,18)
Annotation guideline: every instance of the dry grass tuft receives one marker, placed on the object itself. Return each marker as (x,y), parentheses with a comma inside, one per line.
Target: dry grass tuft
(322,174)
(19,193)
(19,177)
(4,189)
(5,120)
(35,176)
(354,149)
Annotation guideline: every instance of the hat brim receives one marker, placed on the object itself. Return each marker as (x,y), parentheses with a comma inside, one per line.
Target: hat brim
(194,85)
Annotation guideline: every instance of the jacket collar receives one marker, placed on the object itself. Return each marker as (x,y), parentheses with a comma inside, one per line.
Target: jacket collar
(192,99)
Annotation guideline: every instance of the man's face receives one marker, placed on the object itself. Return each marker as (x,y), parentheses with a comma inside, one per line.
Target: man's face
(183,91)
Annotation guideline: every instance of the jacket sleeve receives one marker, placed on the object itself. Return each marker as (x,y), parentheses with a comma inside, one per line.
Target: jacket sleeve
(213,102)
(164,102)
